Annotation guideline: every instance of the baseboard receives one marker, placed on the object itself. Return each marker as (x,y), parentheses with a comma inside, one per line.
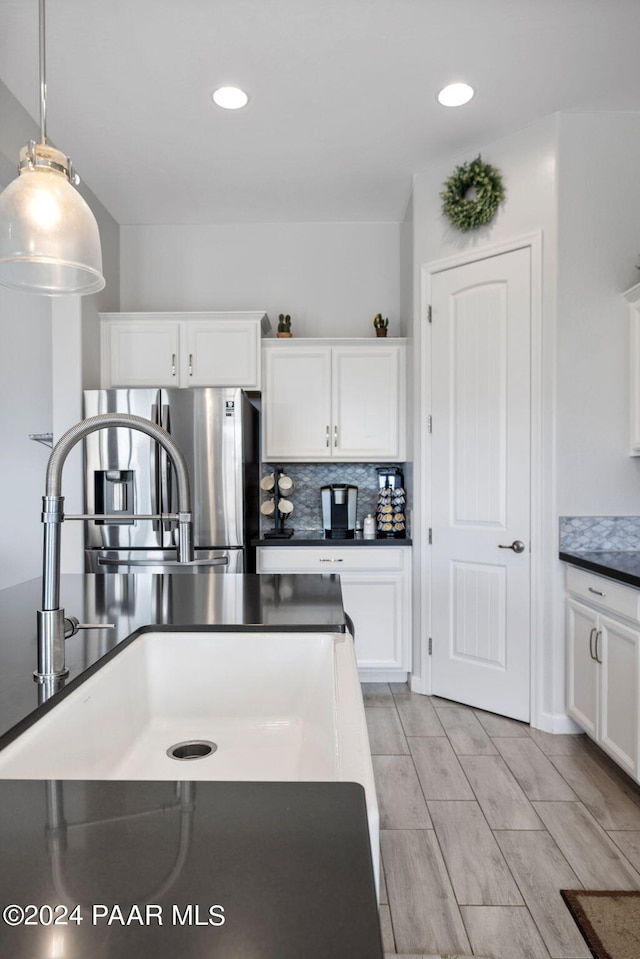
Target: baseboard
(557,723)
(418,684)
(382,675)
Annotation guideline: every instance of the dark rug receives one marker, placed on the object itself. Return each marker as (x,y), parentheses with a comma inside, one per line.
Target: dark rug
(609,921)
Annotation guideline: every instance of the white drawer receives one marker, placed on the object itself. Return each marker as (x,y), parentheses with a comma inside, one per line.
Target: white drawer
(329,559)
(605,593)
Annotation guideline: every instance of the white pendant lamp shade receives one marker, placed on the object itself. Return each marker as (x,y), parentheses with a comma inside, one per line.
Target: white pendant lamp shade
(49,239)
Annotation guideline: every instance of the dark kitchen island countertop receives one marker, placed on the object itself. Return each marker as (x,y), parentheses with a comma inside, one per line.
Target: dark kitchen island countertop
(153,867)
(290,863)
(621,565)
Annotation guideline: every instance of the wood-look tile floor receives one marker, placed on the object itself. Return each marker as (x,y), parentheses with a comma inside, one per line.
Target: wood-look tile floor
(483,820)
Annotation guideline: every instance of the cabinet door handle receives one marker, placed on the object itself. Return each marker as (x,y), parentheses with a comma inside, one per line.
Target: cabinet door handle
(332,560)
(335,435)
(328,435)
(596,591)
(591,635)
(598,636)
(190,364)
(173,364)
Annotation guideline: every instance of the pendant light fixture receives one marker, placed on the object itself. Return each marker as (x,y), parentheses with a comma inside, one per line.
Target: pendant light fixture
(49,239)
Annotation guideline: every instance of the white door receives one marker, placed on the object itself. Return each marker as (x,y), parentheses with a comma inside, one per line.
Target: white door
(481,346)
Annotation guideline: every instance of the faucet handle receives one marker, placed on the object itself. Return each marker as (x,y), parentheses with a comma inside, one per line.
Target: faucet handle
(71,626)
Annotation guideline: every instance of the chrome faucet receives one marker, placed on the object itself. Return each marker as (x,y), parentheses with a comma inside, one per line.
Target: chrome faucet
(53,626)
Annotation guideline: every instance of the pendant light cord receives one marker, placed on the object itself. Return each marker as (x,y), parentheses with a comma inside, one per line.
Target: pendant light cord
(43,77)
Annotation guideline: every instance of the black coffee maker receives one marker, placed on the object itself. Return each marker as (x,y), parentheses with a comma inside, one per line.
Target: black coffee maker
(339,510)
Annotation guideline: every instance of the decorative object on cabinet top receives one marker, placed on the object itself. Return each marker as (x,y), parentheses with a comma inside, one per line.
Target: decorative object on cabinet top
(381,325)
(284,326)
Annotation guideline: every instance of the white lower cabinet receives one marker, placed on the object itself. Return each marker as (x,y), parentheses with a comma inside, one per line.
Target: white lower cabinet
(603,663)
(376,595)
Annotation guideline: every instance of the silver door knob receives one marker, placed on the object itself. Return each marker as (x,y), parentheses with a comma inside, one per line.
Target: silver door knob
(517,546)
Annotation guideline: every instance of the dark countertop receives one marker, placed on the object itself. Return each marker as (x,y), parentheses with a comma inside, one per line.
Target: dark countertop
(622,565)
(289,863)
(316,537)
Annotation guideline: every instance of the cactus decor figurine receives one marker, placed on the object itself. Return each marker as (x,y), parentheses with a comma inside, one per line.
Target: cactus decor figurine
(284,325)
(380,324)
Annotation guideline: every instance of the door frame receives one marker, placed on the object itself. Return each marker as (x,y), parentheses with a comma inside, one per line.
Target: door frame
(540,513)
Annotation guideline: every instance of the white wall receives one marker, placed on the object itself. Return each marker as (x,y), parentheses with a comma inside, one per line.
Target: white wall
(599,242)
(41,390)
(332,278)
(25,407)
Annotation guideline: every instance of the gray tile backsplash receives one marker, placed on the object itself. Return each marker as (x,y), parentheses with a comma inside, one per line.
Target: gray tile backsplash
(599,533)
(310,477)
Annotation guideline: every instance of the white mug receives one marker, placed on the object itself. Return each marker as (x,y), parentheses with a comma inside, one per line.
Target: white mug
(286,485)
(268,507)
(285,506)
(267,482)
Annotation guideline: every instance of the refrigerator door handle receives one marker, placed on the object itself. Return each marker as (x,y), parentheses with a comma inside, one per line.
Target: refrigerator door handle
(165,470)
(155,473)
(106,561)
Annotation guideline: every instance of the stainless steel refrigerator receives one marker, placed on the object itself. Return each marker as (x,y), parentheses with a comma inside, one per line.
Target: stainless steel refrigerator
(128,473)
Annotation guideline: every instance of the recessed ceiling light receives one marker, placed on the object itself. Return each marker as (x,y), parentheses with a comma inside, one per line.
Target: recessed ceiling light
(230,98)
(455,95)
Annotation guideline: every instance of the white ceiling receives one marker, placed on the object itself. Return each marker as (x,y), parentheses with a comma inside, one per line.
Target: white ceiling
(343,94)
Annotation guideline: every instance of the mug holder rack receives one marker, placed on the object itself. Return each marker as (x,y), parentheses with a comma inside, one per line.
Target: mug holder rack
(278,531)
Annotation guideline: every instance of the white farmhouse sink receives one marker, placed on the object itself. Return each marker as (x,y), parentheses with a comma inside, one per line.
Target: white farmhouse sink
(278,706)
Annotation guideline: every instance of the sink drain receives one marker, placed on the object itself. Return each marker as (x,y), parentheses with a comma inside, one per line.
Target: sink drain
(192,749)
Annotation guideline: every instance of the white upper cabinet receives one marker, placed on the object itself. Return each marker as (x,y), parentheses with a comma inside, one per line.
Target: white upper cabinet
(334,399)
(182,349)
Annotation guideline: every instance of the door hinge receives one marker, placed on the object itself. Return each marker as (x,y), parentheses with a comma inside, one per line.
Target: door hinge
(430,535)
(429,315)
(429,423)
(430,646)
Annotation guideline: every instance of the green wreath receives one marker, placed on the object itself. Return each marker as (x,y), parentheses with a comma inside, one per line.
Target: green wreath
(469,213)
